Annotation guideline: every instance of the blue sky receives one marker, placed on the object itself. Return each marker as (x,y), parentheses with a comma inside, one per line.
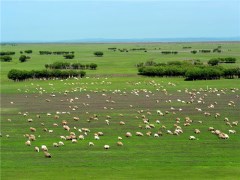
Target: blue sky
(56,20)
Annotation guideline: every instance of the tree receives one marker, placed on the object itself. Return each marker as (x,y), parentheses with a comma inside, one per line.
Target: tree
(93,66)
(6,58)
(213,62)
(68,56)
(98,53)
(23,58)
(28,51)
(194,51)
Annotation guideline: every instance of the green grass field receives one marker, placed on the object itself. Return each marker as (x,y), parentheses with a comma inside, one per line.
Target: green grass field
(114,89)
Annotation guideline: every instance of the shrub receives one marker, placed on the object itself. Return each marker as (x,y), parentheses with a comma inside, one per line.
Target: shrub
(213,62)
(194,51)
(98,53)
(5,58)
(28,51)
(93,66)
(23,58)
(68,56)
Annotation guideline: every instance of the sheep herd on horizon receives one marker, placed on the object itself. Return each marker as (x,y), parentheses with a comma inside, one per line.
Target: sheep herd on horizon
(145,118)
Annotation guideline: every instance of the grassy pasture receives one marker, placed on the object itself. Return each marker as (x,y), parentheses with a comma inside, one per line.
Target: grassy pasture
(166,157)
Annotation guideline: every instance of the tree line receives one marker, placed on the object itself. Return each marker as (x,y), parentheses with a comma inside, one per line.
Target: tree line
(216,61)
(169,52)
(55,52)
(67,65)
(7,53)
(20,75)
(189,71)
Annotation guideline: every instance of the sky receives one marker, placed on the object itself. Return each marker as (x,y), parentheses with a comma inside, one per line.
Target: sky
(59,20)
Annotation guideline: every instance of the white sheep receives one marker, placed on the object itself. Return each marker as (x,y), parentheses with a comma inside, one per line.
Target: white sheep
(55,145)
(156,135)
(119,138)
(119,143)
(139,134)
(63,137)
(232,131)
(81,137)
(106,146)
(44,148)
(28,143)
(91,144)
(60,143)
(36,149)
(128,134)
(74,140)
(192,138)
(47,155)
(96,137)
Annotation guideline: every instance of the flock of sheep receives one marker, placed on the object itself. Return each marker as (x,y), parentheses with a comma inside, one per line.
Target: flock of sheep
(150,122)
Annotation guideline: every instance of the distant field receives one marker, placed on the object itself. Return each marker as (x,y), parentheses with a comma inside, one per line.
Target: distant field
(115,92)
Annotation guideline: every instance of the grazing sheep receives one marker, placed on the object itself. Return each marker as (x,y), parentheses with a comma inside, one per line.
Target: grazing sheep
(91,144)
(36,149)
(100,133)
(119,138)
(169,132)
(76,118)
(81,137)
(50,131)
(55,145)
(60,143)
(107,121)
(197,131)
(30,120)
(74,140)
(32,129)
(28,143)
(66,127)
(232,131)
(128,134)
(139,134)
(217,132)
(223,136)
(96,137)
(235,123)
(119,143)
(152,125)
(106,146)
(63,137)
(64,122)
(47,155)
(149,133)
(211,129)
(31,137)
(147,127)
(122,123)
(157,121)
(192,138)
(156,135)
(44,148)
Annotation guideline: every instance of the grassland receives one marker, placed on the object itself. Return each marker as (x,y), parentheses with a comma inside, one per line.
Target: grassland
(166,157)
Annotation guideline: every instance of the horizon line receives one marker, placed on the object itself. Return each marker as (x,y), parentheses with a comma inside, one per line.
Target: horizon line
(131,40)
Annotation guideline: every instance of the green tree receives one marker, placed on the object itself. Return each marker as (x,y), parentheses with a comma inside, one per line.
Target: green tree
(93,66)
(6,58)
(23,58)
(213,62)
(98,53)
